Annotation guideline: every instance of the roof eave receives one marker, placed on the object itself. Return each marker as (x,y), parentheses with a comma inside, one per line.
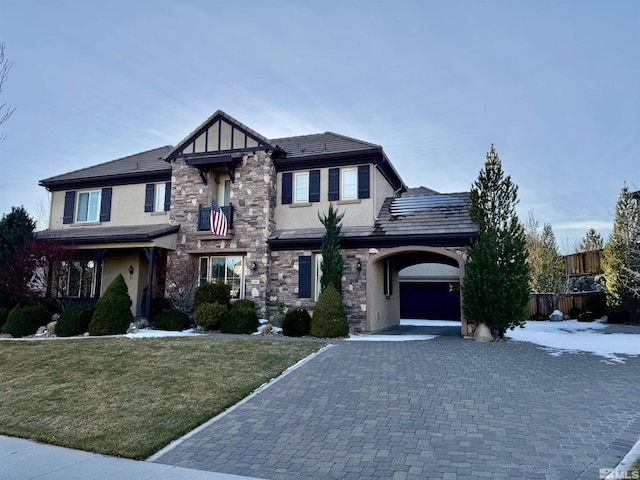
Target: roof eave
(107,180)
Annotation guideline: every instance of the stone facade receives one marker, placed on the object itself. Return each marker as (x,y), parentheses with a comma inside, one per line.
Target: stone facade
(284,285)
(253,196)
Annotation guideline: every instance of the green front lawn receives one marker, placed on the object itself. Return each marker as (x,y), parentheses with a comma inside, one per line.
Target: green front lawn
(130,397)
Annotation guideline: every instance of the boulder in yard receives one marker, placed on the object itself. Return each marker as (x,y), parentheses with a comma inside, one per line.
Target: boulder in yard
(483,333)
(556,316)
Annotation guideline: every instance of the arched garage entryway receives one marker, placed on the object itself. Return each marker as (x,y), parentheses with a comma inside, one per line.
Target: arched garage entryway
(383,285)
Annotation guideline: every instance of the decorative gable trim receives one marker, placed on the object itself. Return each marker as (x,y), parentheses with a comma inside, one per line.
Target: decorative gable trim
(219,134)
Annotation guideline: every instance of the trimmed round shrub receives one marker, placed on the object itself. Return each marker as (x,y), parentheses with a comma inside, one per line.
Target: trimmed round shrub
(209,316)
(296,323)
(596,303)
(74,321)
(172,320)
(586,316)
(244,304)
(113,311)
(51,308)
(23,321)
(216,292)
(329,319)
(240,320)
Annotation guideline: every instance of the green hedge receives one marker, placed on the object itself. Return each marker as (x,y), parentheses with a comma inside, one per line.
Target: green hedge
(172,320)
(209,316)
(74,321)
(329,319)
(240,319)
(296,323)
(23,321)
(216,292)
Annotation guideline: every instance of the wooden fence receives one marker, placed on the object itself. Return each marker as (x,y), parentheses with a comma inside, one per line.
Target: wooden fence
(542,304)
(584,263)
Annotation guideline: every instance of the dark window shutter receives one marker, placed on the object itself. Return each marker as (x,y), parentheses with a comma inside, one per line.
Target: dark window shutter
(167,196)
(69,207)
(364,190)
(287,188)
(314,186)
(334,184)
(304,276)
(105,205)
(148,197)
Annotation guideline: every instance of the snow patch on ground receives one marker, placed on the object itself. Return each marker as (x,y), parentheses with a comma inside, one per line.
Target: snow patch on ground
(149,333)
(571,336)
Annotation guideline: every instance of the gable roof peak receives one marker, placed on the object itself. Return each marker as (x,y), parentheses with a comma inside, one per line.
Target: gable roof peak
(202,129)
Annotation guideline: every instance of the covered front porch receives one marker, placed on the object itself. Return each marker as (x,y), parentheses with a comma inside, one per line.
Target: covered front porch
(94,256)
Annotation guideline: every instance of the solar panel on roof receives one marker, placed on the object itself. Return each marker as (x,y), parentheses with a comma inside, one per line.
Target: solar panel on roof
(420,203)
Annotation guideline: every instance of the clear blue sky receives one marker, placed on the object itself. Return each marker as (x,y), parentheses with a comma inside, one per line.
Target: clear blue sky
(555,85)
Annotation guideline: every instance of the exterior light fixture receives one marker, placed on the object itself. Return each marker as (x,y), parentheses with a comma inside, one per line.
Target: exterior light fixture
(359,266)
(130,270)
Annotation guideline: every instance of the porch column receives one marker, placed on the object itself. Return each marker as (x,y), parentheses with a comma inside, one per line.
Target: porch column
(98,257)
(151,253)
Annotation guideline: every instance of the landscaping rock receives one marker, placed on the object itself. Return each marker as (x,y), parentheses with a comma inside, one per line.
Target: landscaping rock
(42,331)
(51,328)
(483,333)
(556,316)
(132,328)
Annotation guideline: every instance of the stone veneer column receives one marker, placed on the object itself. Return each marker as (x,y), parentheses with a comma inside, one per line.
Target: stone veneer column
(253,196)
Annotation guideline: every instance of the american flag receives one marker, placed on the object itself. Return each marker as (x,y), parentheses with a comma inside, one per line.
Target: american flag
(219,224)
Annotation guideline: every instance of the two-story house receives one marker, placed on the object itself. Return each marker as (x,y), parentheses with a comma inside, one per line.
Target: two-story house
(147,216)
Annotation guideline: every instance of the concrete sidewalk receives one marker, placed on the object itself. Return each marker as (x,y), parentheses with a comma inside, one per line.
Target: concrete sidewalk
(25,460)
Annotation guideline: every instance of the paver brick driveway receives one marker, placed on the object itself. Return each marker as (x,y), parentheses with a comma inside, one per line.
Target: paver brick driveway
(443,408)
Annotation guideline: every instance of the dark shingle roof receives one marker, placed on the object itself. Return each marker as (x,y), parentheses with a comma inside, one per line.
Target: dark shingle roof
(418,219)
(128,233)
(431,214)
(139,165)
(322,144)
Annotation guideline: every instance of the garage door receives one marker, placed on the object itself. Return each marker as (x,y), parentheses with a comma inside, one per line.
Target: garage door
(434,301)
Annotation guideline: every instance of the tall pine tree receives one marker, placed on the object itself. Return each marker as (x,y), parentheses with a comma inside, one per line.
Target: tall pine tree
(332,263)
(496,284)
(547,275)
(619,262)
(591,241)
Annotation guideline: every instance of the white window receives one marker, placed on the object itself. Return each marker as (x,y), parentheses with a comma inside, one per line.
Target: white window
(224,269)
(88,206)
(76,279)
(317,276)
(302,187)
(161,189)
(226,193)
(349,184)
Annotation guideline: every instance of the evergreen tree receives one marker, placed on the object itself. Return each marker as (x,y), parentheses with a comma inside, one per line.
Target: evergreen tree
(496,284)
(332,263)
(547,275)
(15,230)
(619,261)
(591,241)
(113,310)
